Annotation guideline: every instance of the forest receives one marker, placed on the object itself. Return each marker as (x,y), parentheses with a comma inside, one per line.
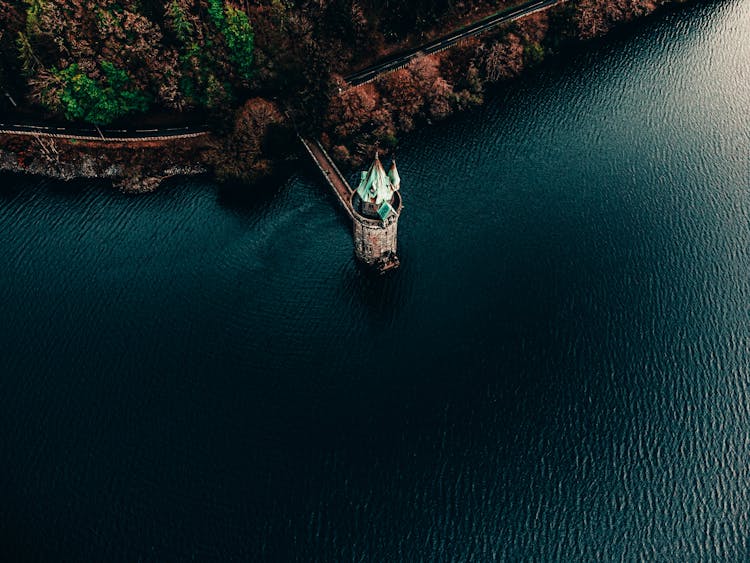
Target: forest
(254,70)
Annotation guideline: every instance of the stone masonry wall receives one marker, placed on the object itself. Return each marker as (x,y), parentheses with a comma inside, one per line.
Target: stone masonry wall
(372,240)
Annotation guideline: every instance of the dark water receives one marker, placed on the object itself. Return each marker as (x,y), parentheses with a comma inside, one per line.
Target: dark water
(560,371)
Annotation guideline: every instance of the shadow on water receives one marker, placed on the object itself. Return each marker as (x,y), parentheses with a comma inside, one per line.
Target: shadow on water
(14,183)
(258,197)
(379,296)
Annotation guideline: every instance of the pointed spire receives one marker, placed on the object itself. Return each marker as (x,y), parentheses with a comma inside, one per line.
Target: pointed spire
(393,175)
(375,185)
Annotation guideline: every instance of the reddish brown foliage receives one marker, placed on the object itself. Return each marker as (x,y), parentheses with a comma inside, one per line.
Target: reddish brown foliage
(240,154)
(504,59)
(596,17)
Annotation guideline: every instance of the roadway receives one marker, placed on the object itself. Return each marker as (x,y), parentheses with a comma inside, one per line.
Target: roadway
(398,61)
(102,134)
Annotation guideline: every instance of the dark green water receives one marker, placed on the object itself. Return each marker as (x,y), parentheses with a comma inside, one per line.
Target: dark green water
(560,370)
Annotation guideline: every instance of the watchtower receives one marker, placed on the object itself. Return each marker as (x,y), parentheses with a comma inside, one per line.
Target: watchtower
(376,206)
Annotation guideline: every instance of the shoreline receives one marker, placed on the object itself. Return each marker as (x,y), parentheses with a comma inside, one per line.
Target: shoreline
(140,165)
(132,169)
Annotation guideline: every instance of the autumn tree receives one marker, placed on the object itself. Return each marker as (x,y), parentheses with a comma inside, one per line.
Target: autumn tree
(244,154)
(504,58)
(404,95)
(595,17)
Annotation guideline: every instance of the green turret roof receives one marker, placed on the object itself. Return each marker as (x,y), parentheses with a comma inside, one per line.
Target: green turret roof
(393,175)
(375,186)
(384,210)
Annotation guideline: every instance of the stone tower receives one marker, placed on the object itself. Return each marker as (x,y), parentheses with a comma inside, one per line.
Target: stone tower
(376,206)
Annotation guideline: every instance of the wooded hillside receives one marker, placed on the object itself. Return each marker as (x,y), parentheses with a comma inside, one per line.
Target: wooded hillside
(248,65)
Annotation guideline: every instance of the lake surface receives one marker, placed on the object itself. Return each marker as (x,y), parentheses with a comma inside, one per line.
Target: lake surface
(559,371)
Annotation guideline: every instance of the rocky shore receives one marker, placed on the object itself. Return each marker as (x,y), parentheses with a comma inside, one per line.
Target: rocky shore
(133,168)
